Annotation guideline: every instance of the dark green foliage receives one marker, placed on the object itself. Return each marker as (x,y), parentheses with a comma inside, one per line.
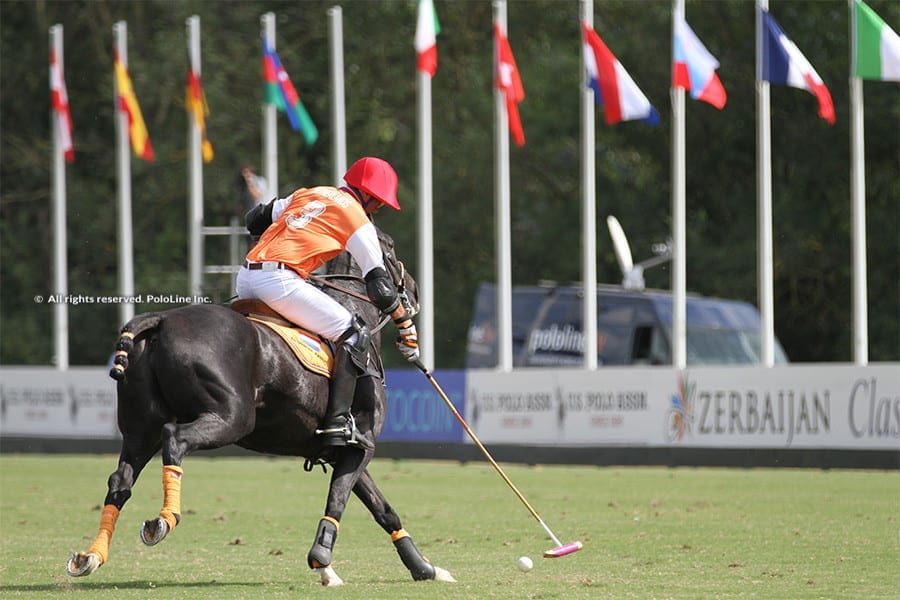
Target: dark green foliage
(810,160)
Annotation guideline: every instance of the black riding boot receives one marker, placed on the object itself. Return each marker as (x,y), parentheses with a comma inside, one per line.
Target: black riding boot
(339,428)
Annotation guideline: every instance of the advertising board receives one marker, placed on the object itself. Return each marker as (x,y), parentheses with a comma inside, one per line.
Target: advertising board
(816,406)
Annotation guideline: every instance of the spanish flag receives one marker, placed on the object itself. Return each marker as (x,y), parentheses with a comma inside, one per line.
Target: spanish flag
(196,105)
(137,130)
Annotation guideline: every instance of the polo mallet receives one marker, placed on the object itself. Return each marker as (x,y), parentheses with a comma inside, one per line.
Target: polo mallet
(560,549)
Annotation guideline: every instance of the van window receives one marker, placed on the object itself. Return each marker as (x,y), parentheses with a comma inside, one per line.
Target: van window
(614,325)
(650,346)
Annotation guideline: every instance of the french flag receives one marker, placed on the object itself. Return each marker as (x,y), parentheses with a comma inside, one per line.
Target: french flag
(694,68)
(613,87)
(783,63)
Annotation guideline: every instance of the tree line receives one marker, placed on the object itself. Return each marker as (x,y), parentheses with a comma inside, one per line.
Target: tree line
(810,160)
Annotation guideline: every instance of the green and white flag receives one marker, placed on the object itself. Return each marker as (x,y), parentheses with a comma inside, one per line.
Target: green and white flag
(877,51)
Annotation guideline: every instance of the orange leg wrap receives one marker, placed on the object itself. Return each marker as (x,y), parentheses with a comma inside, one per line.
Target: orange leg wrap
(108,519)
(171,510)
(398,535)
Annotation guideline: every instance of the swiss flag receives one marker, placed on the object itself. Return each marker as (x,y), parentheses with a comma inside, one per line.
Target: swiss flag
(506,77)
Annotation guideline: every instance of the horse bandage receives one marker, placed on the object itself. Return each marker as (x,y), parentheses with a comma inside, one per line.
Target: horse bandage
(398,535)
(108,519)
(171,510)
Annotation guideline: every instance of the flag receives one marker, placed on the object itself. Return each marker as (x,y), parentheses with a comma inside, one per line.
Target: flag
(694,68)
(196,104)
(137,130)
(506,78)
(59,101)
(280,92)
(427,28)
(613,87)
(877,52)
(783,63)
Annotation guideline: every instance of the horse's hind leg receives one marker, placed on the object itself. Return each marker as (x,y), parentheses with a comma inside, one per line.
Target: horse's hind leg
(419,566)
(208,431)
(132,460)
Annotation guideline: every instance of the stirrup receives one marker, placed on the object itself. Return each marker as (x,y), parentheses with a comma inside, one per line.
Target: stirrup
(346,435)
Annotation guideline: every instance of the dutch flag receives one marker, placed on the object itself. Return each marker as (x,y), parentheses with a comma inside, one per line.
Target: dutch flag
(613,87)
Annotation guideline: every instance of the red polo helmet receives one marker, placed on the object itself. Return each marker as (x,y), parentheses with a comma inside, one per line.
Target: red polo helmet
(375,176)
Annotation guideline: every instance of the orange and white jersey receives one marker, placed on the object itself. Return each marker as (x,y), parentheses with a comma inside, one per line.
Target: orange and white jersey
(314,225)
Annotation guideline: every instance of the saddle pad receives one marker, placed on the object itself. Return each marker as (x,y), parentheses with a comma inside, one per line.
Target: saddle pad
(308,348)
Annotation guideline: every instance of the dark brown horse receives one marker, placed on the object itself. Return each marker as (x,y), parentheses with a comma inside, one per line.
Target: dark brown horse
(204,376)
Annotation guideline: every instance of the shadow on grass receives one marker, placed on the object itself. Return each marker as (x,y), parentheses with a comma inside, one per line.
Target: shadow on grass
(125,585)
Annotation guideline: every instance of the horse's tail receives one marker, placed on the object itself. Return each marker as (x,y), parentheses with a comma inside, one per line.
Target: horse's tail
(125,344)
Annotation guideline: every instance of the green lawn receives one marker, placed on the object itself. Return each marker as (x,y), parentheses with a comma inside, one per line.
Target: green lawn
(648,532)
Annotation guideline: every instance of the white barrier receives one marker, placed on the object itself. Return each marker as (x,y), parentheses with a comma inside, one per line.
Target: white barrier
(830,406)
(44,402)
(815,406)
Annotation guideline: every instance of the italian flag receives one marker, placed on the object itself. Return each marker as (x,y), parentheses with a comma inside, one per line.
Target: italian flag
(427,28)
(877,51)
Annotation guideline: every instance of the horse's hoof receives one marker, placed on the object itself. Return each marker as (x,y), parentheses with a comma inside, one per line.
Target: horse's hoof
(329,577)
(81,564)
(154,530)
(443,575)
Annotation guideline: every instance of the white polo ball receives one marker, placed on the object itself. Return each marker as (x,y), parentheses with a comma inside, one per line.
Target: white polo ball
(524,563)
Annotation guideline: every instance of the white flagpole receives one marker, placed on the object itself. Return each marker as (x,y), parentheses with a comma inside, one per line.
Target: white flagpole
(589,207)
(338,111)
(858,206)
(679,262)
(195,170)
(60,262)
(426,251)
(501,192)
(764,203)
(123,161)
(270,117)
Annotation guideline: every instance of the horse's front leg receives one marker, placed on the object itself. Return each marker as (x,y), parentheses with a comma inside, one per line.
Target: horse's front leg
(131,462)
(350,464)
(419,566)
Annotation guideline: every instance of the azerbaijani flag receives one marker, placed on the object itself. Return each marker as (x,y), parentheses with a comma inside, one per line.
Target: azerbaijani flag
(427,28)
(196,105)
(613,87)
(59,100)
(783,63)
(877,51)
(694,68)
(137,130)
(281,92)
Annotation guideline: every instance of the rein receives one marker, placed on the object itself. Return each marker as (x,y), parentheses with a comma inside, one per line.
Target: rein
(323,280)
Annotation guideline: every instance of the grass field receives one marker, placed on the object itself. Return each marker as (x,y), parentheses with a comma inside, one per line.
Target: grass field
(648,532)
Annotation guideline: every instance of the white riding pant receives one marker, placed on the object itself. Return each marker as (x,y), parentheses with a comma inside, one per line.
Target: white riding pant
(298,301)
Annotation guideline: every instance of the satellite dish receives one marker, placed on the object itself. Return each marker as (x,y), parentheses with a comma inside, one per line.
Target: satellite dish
(620,244)
(633,274)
